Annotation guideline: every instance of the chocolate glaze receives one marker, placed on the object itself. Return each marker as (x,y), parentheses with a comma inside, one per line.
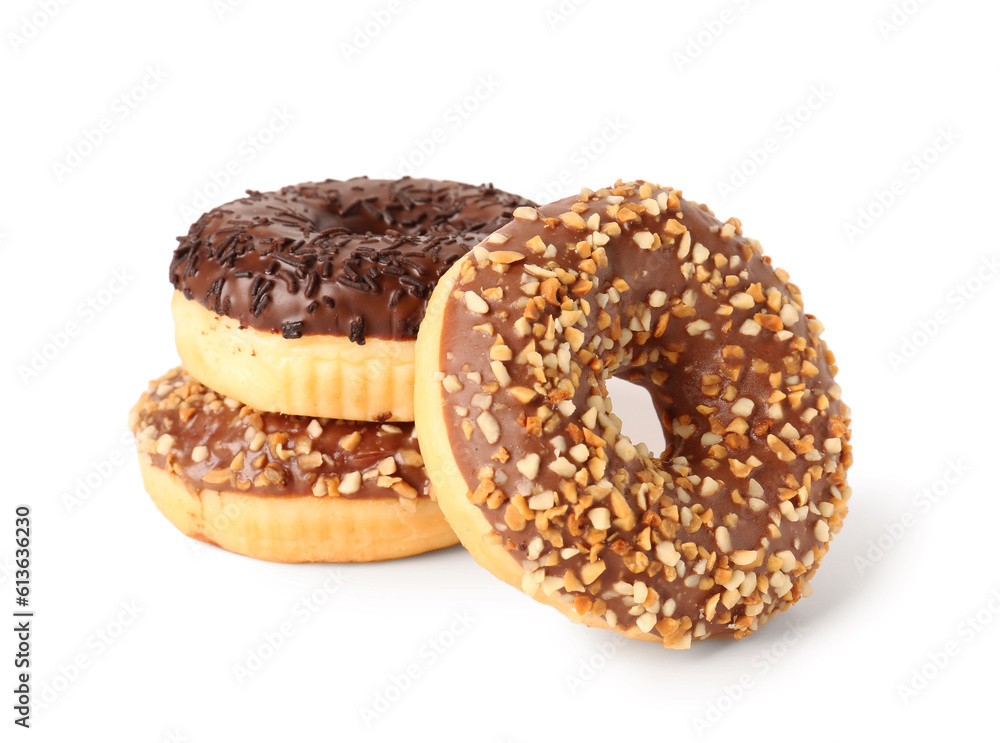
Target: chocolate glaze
(355,258)
(653,341)
(176,405)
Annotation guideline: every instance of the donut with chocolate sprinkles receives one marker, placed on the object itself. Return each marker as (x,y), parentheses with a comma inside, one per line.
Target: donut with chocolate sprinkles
(724,528)
(281,487)
(307,300)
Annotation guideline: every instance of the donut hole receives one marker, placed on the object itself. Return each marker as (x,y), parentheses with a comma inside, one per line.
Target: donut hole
(357,222)
(370,217)
(634,406)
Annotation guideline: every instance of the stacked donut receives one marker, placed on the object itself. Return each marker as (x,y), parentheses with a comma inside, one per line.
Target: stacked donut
(287,435)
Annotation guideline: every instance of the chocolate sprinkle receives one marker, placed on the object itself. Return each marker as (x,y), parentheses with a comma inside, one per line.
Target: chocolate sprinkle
(291,330)
(356,246)
(358,331)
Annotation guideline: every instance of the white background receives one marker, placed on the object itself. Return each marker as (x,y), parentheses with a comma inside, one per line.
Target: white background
(857,140)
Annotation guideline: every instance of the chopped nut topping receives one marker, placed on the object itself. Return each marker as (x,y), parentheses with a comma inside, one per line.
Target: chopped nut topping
(528,466)
(644,240)
(757,443)
(350,483)
(476,303)
(489,426)
(266,452)
(506,256)
(350,442)
(574,220)
(165,443)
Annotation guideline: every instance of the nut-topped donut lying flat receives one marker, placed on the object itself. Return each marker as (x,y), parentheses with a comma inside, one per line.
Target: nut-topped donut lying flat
(531,467)
(279,487)
(307,300)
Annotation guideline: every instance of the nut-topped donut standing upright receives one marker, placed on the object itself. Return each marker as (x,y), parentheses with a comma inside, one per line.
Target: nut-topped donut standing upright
(530,465)
(307,300)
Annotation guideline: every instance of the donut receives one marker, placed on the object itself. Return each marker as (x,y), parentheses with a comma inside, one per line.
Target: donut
(280,487)
(530,464)
(307,300)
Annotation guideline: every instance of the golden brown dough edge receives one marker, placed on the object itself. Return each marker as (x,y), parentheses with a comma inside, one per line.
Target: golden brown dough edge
(319,376)
(298,528)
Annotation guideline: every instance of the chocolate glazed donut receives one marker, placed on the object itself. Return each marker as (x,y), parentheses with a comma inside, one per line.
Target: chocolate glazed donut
(281,487)
(307,300)
(531,469)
